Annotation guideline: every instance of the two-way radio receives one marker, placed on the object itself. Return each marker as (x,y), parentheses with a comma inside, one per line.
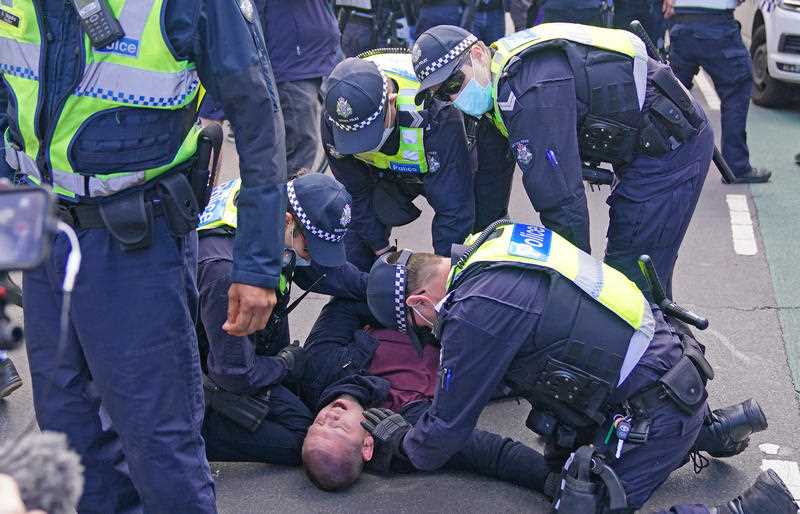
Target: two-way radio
(99,22)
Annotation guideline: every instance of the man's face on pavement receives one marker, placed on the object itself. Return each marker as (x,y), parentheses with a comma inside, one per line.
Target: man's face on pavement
(338,425)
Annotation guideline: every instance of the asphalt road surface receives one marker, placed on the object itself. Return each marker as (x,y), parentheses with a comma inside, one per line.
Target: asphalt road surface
(749,298)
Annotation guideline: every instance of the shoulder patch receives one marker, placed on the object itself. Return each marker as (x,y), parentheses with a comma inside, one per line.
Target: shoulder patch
(522,152)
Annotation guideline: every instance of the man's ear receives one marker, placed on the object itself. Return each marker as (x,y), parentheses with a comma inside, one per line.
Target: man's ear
(417,299)
(367,448)
(289,219)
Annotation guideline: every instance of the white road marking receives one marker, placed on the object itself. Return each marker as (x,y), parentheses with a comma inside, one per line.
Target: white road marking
(789,473)
(707,88)
(744,239)
(729,345)
(769,448)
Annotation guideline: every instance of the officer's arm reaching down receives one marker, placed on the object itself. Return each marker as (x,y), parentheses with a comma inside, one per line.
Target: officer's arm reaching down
(542,126)
(233,65)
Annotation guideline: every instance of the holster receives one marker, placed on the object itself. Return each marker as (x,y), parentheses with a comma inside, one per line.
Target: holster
(129,219)
(604,140)
(180,203)
(247,411)
(671,119)
(392,205)
(203,174)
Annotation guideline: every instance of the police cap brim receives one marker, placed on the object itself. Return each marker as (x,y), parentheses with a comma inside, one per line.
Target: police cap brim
(439,76)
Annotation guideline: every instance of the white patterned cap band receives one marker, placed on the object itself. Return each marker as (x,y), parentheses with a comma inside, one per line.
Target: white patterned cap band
(400,296)
(301,215)
(452,54)
(353,127)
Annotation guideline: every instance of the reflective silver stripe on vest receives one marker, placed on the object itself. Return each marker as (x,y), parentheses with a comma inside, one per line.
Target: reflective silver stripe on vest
(640,69)
(137,87)
(706,4)
(19,59)
(134,86)
(590,275)
(73,182)
(639,343)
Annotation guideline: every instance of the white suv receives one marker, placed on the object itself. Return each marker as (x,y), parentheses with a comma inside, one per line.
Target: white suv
(775,49)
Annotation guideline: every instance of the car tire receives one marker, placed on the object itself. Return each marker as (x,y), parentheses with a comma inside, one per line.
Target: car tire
(767,92)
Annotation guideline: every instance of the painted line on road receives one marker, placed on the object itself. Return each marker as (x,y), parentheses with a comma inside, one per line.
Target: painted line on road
(744,238)
(707,88)
(788,471)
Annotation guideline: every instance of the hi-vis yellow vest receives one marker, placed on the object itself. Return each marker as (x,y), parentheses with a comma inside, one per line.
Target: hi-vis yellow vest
(537,248)
(221,212)
(620,41)
(410,156)
(137,71)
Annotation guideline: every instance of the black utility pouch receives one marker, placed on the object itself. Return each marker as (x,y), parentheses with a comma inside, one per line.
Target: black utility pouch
(130,220)
(651,141)
(672,119)
(684,386)
(246,411)
(179,203)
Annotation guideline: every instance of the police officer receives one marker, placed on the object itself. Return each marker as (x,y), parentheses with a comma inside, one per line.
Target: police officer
(370,24)
(386,151)
(520,305)
(539,85)
(111,129)
(250,416)
(704,33)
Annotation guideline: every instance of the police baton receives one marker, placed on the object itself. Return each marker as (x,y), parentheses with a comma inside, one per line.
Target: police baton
(667,305)
(636,27)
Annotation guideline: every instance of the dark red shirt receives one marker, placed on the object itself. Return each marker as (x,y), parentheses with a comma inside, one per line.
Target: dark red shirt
(411,377)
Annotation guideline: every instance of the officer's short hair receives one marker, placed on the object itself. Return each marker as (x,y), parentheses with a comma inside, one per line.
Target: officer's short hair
(332,471)
(418,269)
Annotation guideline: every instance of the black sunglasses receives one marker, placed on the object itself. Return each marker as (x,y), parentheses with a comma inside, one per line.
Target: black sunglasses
(450,86)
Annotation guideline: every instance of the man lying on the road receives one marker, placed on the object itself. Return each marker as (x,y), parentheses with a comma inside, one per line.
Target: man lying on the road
(578,340)
(350,368)
(250,415)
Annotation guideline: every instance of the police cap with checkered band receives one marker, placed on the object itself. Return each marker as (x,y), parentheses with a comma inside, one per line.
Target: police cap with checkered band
(386,294)
(322,206)
(355,105)
(438,53)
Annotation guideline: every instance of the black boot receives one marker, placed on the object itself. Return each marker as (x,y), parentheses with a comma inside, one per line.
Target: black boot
(769,495)
(9,378)
(754,176)
(727,431)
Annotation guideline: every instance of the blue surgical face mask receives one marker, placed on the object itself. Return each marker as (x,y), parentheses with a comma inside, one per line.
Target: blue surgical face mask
(474,99)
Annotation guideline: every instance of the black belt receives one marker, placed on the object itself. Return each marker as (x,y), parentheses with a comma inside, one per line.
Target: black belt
(703,17)
(88,216)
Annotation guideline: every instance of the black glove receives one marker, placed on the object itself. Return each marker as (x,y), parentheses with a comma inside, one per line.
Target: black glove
(295,357)
(388,430)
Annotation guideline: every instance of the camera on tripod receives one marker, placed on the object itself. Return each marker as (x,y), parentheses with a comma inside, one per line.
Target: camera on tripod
(26,221)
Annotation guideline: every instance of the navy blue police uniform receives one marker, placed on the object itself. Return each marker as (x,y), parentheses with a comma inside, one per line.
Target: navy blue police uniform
(131,343)
(489,20)
(648,12)
(510,317)
(704,33)
(250,415)
(340,351)
(424,154)
(557,105)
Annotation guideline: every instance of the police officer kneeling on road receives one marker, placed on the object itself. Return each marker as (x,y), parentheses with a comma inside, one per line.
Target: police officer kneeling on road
(566,96)
(103,108)
(521,305)
(250,416)
(387,151)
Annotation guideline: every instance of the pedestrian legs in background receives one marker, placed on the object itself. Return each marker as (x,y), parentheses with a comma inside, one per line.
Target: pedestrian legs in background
(431,15)
(519,13)
(489,26)
(302,108)
(9,378)
(716,45)
(648,12)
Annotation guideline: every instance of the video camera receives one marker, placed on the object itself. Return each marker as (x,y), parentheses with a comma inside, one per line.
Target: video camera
(26,220)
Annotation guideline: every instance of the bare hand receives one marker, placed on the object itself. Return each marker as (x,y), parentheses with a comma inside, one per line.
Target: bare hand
(249,309)
(10,500)
(668,8)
